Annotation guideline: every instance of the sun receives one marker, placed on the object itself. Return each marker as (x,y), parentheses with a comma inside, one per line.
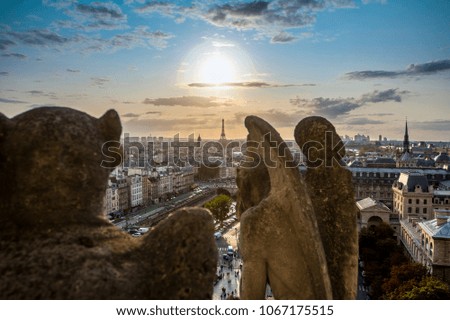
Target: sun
(217,68)
(215,65)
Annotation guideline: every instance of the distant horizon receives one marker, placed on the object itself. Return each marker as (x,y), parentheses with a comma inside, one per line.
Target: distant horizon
(182,66)
(411,141)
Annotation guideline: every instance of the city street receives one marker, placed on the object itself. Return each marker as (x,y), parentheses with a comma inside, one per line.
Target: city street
(228,272)
(362,293)
(137,217)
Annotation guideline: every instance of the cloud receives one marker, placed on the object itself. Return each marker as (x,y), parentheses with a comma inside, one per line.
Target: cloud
(203,115)
(380,114)
(35,92)
(383,96)
(333,107)
(59,4)
(154,112)
(99,82)
(362,121)
(101,10)
(4,100)
(165,8)
(375,1)
(38,37)
(283,37)
(4,73)
(130,115)
(83,18)
(139,37)
(14,55)
(6,43)
(34,17)
(94,16)
(174,125)
(436,125)
(72,70)
(251,84)
(280,118)
(219,44)
(268,18)
(189,101)
(427,68)
(290,118)
(277,118)
(42,93)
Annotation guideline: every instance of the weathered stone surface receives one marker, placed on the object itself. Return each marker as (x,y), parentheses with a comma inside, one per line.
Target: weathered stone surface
(280,241)
(331,191)
(54,240)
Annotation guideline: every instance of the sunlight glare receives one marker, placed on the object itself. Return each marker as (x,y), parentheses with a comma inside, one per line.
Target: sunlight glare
(217,69)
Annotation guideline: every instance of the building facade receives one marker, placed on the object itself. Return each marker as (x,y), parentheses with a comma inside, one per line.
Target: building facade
(412,196)
(372,212)
(135,190)
(377,182)
(424,215)
(112,198)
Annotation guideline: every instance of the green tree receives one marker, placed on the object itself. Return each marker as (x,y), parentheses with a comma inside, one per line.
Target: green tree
(219,207)
(418,287)
(429,288)
(379,251)
(402,279)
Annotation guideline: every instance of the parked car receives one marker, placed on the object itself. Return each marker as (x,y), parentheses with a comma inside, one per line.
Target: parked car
(226,257)
(143,230)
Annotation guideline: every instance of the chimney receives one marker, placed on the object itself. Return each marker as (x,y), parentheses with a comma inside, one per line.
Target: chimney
(441,220)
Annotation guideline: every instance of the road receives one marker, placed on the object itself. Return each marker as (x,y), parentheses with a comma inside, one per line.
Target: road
(229,184)
(362,293)
(145,216)
(229,271)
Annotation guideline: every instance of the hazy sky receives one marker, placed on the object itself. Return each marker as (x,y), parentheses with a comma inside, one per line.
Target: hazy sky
(181,66)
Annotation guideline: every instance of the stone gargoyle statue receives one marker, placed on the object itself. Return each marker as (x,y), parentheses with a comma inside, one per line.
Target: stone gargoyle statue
(55,242)
(297,234)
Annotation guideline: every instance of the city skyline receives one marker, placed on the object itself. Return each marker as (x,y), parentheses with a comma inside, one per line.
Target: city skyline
(182,66)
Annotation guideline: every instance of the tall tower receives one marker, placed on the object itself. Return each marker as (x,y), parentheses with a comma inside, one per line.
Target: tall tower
(222,135)
(406,139)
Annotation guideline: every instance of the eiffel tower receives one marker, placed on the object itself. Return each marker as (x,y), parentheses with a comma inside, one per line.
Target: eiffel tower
(222,135)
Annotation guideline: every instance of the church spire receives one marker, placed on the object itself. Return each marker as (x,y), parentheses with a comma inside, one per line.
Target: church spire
(406,139)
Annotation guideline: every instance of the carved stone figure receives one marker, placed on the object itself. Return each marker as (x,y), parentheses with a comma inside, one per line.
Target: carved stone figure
(331,190)
(280,241)
(55,242)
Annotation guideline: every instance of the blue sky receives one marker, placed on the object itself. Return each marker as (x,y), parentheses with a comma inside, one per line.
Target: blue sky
(180,66)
